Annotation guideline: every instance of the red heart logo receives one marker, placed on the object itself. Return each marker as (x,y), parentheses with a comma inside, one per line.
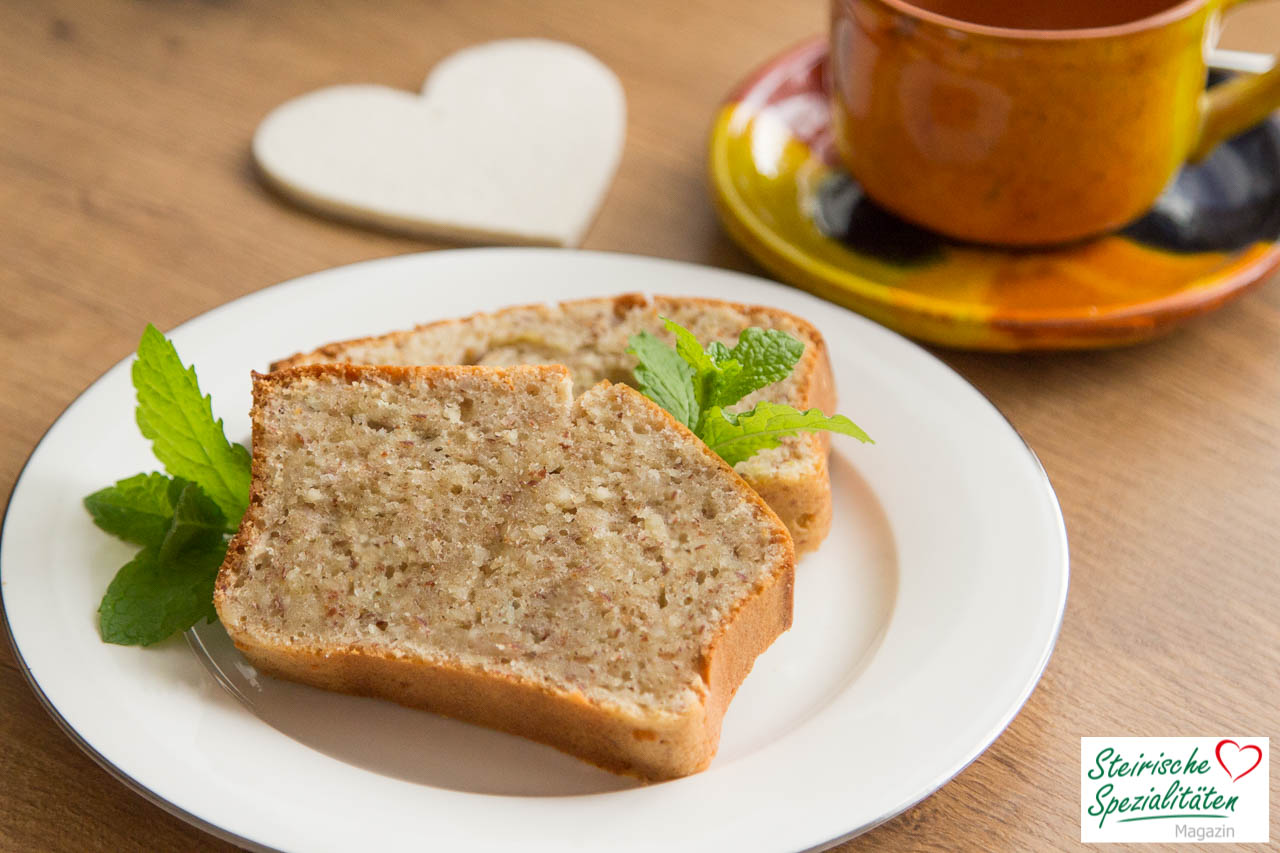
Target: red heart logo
(1235,777)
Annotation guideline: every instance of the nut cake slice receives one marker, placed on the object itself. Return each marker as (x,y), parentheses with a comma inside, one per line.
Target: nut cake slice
(475,541)
(590,337)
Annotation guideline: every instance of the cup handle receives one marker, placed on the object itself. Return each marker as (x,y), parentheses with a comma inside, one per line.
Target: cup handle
(1235,106)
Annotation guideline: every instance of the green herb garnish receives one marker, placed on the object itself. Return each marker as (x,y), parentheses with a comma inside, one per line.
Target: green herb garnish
(698,385)
(182,520)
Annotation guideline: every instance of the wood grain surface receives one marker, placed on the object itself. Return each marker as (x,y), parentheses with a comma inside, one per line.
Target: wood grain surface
(127,196)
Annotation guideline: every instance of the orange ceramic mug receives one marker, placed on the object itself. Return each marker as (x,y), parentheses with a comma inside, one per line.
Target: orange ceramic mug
(1029,122)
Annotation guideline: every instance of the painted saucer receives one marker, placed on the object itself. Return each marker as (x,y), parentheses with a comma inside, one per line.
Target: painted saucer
(781,194)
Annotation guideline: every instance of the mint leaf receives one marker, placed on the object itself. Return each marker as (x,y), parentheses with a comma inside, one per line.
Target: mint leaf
(688,348)
(197,523)
(737,438)
(761,357)
(184,435)
(665,378)
(151,599)
(136,509)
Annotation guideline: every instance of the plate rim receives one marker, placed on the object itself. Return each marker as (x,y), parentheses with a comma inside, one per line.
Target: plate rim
(1042,482)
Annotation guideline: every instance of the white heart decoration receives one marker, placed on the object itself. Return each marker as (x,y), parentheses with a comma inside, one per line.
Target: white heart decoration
(512,141)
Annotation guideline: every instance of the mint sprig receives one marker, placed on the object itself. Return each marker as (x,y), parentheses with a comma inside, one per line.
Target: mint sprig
(151,599)
(183,520)
(697,386)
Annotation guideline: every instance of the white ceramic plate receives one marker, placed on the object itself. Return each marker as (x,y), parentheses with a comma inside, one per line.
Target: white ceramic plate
(921,626)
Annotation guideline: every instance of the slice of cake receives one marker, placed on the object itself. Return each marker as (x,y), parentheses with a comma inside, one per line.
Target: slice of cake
(590,337)
(473,541)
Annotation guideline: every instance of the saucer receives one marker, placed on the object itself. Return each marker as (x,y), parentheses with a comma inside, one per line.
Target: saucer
(783,197)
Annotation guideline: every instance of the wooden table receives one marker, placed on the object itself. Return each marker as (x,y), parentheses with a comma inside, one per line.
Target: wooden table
(128,197)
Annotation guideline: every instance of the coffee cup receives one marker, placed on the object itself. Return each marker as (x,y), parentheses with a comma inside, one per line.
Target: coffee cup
(1030,122)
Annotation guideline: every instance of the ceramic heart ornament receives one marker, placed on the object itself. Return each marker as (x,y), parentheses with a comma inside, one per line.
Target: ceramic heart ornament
(510,142)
